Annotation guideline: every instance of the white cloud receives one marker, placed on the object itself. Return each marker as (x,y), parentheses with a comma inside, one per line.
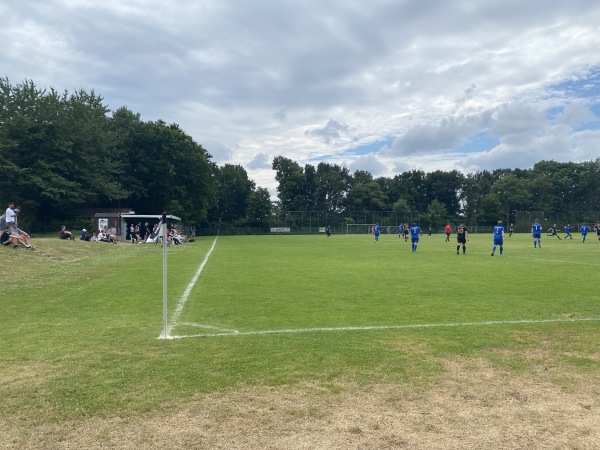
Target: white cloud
(430,75)
(369,163)
(451,132)
(260,161)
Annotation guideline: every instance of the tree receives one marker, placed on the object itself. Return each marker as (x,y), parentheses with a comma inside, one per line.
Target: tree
(332,184)
(365,194)
(291,181)
(446,187)
(234,189)
(259,208)
(436,213)
(512,192)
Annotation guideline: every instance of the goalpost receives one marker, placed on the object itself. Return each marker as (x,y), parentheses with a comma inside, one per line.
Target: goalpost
(365,228)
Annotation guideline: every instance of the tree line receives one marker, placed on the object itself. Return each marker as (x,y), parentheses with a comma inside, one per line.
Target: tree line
(63,152)
(483,197)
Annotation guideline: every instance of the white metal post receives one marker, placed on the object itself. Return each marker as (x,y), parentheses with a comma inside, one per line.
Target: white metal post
(163,232)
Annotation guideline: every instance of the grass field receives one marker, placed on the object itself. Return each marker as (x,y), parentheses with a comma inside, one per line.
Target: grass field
(301,342)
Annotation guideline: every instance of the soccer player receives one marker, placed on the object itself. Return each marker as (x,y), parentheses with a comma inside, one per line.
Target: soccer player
(400,232)
(405,229)
(536,232)
(429,230)
(597,228)
(552,231)
(415,231)
(328,231)
(511,230)
(448,230)
(584,228)
(568,232)
(461,238)
(376,232)
(498,238)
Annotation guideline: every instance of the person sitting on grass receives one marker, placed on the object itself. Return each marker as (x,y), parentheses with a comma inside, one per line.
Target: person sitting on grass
(65,234)
(7,238)
(16,231)
(105,235)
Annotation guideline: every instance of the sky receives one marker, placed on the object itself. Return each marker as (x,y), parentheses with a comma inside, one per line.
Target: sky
(384,86)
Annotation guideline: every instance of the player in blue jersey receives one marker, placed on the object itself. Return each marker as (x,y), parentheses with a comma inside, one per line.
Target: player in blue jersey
(568,231)
(536,232)
(584,228)
(415,231)
(498,238)
(376,232)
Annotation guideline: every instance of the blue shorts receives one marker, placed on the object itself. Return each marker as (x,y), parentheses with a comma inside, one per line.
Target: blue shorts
(537,235)
(498,240)
(415,240)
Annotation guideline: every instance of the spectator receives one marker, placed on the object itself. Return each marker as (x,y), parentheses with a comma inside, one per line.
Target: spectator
(11,214)
(108,235)
(15,230)
(84,236)
(65,234)
(102,237)
(7,238)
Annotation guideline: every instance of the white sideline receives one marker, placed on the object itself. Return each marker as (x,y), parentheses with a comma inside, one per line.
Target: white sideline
(186,294)
(386,327)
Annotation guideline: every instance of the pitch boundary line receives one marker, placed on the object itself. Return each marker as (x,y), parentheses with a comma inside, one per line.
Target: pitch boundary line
(381,327)
(542,259)
(186,294)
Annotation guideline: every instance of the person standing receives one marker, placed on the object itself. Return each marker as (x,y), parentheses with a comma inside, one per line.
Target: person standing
(584,228)
(376,232)
(511,230)
(405,229)
(448,230)
(536,232)
(429,231)
(568,232)
(461,238)
(10,215)
(328,231)
(597,228)
(498,238)
(415,231)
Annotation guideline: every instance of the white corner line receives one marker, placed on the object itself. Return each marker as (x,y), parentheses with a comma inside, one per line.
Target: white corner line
(183,299)
(385,327)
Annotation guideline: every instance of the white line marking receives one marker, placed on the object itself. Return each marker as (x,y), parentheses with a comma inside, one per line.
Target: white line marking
(387,327)
(186,294)
(208,327)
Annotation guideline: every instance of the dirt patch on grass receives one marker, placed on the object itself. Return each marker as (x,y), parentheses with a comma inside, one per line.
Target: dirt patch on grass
(473,406)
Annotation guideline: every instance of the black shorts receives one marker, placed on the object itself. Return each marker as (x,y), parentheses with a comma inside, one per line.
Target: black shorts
(461,240)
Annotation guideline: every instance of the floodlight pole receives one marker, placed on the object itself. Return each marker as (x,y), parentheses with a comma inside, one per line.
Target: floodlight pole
(163,232)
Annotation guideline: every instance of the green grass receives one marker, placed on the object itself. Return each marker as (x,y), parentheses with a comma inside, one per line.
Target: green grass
(80,321)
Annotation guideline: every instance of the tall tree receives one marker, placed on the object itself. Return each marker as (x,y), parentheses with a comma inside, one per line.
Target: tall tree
(259,208)
(332,184)
(291,179)
(234,189)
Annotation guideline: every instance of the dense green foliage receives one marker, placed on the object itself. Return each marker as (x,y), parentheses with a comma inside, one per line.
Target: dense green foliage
(482,197)
(61,153)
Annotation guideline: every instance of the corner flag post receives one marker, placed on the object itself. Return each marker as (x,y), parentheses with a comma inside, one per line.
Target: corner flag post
(163,232)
